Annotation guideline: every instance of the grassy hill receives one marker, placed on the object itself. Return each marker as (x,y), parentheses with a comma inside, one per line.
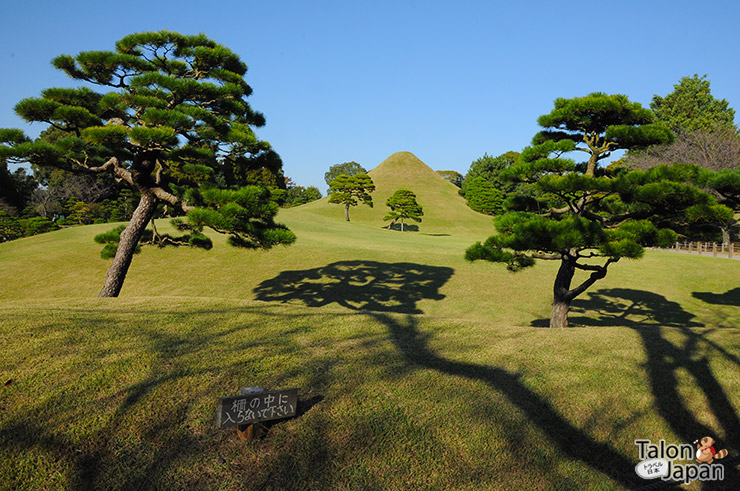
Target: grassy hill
(445,211)
(415,369)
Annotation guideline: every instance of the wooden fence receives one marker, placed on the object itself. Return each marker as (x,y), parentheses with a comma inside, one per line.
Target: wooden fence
(725,250)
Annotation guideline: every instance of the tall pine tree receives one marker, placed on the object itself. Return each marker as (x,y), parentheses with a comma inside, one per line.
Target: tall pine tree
(584,217)
(174,117)
(351,190)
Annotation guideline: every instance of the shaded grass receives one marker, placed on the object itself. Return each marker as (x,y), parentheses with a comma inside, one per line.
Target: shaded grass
(122,395)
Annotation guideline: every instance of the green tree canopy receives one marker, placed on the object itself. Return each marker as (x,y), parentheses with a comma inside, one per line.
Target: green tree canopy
(484,197)
(490,168)
(299,195)
(403,206)
(692,107)
(347,168)
(16,188)
(174,118)
(584,217)
(351,190)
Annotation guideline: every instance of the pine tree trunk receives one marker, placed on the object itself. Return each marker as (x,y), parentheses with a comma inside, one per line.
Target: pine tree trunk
(562,294)
(401,224)
(127,245)
(559,316)
(346,212)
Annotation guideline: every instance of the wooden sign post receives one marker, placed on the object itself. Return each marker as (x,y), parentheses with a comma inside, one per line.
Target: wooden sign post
(253,406)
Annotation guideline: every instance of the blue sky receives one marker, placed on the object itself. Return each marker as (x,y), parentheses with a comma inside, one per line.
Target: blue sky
(360,80)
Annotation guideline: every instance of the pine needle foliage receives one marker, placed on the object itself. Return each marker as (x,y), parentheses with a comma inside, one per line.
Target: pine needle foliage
(172,123)
(582,215)
(347,168)
(351,190)
(403,206)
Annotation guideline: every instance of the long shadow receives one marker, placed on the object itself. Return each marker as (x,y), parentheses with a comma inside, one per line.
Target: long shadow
(359,285)
(626,307)
(572,441)
(97,457)
(730,297)
(651,316)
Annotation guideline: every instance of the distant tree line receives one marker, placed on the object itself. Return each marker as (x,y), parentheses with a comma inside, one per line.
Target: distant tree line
(48,198)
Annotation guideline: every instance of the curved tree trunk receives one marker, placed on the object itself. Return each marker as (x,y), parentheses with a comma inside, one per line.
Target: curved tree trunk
(562,296)
(346,212)
(127,245)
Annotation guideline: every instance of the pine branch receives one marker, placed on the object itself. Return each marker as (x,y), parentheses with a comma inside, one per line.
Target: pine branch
(599,272)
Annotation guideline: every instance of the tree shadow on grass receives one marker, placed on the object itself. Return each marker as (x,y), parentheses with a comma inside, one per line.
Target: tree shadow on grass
(359,285)
(653,317)
(625,307)
(570,440)
(649,315)
(407,227)
(730,297)
(110,455)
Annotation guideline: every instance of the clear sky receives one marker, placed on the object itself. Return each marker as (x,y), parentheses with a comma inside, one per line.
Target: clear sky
(360,80)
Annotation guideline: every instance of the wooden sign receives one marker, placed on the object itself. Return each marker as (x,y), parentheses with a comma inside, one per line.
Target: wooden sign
(253,408)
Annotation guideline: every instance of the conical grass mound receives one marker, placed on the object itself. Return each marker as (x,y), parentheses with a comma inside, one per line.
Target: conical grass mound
(445,211)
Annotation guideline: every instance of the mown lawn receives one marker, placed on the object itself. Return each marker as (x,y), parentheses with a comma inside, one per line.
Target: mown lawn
(415,369)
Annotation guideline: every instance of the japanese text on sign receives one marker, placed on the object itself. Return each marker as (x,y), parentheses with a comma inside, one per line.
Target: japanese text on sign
(253,408)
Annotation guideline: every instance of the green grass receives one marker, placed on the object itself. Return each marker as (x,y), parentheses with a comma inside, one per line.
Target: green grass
(416,369)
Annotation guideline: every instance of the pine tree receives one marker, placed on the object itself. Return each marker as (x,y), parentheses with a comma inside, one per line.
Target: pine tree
(176,115)
(585,217)
(351,190)
(350,169)
(403,206)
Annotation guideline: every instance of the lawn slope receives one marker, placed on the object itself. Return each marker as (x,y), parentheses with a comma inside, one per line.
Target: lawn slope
(445,211)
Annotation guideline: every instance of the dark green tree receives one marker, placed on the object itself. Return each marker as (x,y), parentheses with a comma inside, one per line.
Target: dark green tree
(351,168)
(403,206)
(16,188)
(10,227)
(586,218)
(692,107)
(13,227)
(490,168)
(484,197)
(351,190)
(725,183)
(299,195)
(174,117)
